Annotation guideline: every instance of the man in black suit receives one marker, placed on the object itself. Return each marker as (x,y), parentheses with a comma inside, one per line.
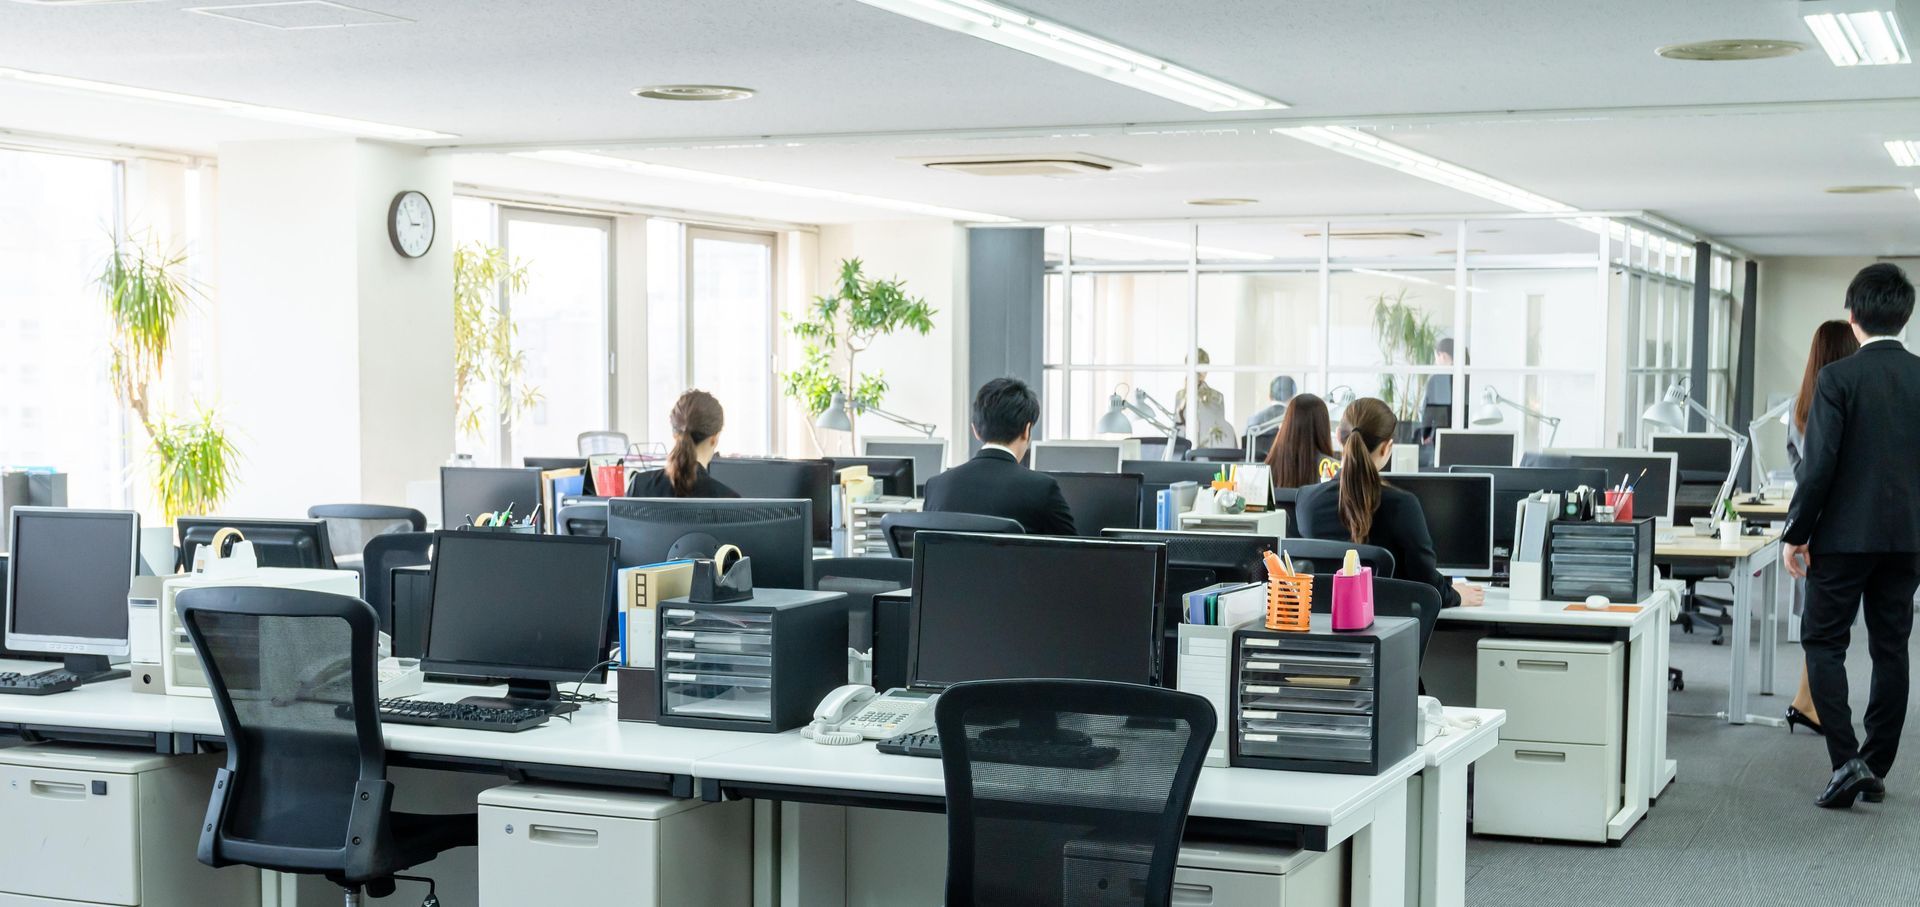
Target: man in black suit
(994,483)
(1853,531)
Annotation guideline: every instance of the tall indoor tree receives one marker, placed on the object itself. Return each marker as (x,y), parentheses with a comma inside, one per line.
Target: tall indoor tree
(837,328)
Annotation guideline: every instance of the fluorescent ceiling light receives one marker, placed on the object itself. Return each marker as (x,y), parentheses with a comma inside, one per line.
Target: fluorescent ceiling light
(1066,46)
(1367,147)
(663,171)
(234,108)
(1869,38)
(1906,154)
(1213,252)
(1409,278)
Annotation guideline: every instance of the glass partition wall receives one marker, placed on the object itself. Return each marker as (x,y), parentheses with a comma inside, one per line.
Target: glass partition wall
(1494,322)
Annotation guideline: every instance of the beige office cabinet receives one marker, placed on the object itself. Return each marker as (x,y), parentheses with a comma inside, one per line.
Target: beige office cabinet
(1556,772)
(549,844)
(96,825)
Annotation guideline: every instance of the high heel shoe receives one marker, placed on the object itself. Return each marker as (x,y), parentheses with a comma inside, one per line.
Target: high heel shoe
(1795,716)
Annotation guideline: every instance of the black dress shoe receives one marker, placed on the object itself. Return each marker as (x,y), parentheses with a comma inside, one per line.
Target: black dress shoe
(1848,783)
(1874,791)
(1795,716)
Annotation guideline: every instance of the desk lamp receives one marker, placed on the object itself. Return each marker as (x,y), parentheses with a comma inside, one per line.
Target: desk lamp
(1671,414)
(1116,421)
(1497,405)
(1782,411)
(837,417)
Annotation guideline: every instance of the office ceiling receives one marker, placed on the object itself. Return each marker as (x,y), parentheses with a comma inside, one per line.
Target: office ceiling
(1563,99)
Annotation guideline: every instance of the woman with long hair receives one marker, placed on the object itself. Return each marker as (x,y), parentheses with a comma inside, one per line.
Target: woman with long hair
(1304,443)
(1832,342)
(696,420)
(1361,507)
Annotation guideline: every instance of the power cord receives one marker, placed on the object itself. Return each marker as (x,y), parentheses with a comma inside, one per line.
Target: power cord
(577,697)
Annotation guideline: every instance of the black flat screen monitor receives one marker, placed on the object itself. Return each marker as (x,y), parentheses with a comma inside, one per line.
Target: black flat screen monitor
(1101,500)
(994,607)
(1703,459)
(1158,475)
(466,492)
(1196,560)
(1474,448)
(1514,483)
(276,543)
(533,609)
(1653,476)
(1459,510)
(771,479)
(929,455)
(775,534)
(66,591)
(895,474)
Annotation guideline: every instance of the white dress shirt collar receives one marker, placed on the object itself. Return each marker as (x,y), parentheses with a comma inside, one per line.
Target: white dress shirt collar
(1888,337)
(1002,448)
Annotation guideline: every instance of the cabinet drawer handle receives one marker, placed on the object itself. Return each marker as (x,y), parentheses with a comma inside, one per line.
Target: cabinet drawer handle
(1187,894)
(58,790)
(1536,664)
(1539,756)
(563,837)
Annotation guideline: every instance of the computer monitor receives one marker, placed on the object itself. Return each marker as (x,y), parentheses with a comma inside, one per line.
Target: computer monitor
(1514,483)
(1196,560)
(532,609)
(1079,456)
(1159,475)
(929,455)
(994,607)
(67,585)
(1653,476)
(1461,447)
(776,534)
(895,474)
(772,479)
(276,543)
(466,492)
(1703,458)
(1460,518)
(1101,500)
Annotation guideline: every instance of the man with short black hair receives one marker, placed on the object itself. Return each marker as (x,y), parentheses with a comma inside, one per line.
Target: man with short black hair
(1853,531)
(994,483)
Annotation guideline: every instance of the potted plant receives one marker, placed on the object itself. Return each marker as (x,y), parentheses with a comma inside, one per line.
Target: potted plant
(488,368)
(1730,522)
(1406,336)
(837,329)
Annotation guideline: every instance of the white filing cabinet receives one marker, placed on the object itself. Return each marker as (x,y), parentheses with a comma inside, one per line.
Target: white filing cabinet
(1556,772)
(95,825)
(550,844)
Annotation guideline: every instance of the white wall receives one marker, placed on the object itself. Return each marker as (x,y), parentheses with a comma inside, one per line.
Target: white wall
(1796,294)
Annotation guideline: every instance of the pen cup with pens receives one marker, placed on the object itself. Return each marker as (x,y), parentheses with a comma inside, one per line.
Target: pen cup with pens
(1289,595)
(1621,503)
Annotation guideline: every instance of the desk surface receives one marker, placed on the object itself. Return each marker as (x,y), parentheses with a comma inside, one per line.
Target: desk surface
(1502,608)
(1685,544)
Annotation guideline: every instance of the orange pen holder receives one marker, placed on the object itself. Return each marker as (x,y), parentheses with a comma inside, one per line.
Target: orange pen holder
(1353,600)
(1290,602)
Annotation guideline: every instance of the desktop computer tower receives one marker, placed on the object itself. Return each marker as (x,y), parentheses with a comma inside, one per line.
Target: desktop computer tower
(761,664)
(1344,702)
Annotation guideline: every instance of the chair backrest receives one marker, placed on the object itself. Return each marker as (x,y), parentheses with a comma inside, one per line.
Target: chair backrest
(385,552)
(351,526)
(1263,442)
(1216,455)
(900,528)
(1025,833)
(601,442)
(1324,556)
(861,578)
(584,518)
(293,674)
(1155,448)
(1391,598)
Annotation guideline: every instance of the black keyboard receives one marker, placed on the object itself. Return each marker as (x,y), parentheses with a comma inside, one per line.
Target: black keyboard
(454,714)
(1011,752)
(41,684)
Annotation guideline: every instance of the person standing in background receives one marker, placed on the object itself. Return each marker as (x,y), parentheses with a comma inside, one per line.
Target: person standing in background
(1853,532)
(1209,427)
(1832,342)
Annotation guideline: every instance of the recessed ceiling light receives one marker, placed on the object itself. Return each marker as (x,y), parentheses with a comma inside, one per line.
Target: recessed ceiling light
(1731,49)
(1859,38)
(347,125)
(663,171)
(693,92)
(1071,47)
(1221,202)
(1863,190)
(1904,153)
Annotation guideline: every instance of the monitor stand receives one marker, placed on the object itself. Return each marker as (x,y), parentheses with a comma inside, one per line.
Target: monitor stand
(526,694)
(93,668)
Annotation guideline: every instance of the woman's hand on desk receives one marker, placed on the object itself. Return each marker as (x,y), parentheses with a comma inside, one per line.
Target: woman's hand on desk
(1471,595)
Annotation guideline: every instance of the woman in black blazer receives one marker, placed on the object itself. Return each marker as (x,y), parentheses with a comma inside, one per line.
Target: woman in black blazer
(1360,507)
(697,419)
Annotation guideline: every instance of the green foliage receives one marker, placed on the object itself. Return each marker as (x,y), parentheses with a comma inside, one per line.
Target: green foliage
(487,368)
(195,464)
(844,324)
(1406,336)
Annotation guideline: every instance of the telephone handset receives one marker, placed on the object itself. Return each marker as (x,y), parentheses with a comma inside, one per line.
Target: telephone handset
(854,713)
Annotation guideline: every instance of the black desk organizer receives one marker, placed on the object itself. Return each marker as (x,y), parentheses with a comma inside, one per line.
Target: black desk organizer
(1610,559)
(762,664)
(1343,702)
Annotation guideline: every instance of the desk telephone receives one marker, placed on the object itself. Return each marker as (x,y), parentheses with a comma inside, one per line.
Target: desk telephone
(855,713)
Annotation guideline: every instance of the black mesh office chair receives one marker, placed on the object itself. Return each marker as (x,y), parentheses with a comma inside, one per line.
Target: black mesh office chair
(1216,455)
(1024,833)
(351,526)
(585,518)
(1324,556)
(861,578)
(305,787)
(385,552)
(900,527)
(1391,598)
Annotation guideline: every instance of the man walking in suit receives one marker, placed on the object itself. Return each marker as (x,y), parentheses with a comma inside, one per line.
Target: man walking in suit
(994,483)
(1853,531)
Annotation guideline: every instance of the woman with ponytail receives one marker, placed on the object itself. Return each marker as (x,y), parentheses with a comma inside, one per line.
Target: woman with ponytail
(1361,507)
(697,419)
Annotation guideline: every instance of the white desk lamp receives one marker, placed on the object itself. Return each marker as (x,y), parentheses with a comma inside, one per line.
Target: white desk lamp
(1496,405)
(837,417)
(1671,414)
(1117,422)
(1782,411)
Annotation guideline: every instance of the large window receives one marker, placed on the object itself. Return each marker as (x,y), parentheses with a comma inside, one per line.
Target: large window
(1654,283)
(58,217)
(710,311)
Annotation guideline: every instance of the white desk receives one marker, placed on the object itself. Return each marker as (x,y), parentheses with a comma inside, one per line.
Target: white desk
(1441,876)
(1648,771)
(1748,558)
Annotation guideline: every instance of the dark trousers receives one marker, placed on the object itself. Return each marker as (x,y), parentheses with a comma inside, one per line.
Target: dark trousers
(1838,586)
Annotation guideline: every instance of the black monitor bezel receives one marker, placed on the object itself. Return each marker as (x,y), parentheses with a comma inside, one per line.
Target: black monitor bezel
(486,670)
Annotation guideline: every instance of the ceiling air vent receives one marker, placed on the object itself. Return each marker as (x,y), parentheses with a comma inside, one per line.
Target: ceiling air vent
(1376,235)
(1054,165)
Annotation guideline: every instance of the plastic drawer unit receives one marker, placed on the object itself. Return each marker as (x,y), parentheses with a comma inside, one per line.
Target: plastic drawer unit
(1325,700)
(97,825)
(549,844)
(1556,772)
(755,665)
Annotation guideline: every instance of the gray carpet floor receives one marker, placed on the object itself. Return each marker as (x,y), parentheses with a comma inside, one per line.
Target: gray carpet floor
(1738,826)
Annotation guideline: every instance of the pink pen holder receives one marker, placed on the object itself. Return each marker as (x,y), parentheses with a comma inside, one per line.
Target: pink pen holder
(1353,600)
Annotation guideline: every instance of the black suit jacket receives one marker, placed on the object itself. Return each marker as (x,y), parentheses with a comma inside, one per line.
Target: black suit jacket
(1399,525)
(993,483)
(1859,489)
